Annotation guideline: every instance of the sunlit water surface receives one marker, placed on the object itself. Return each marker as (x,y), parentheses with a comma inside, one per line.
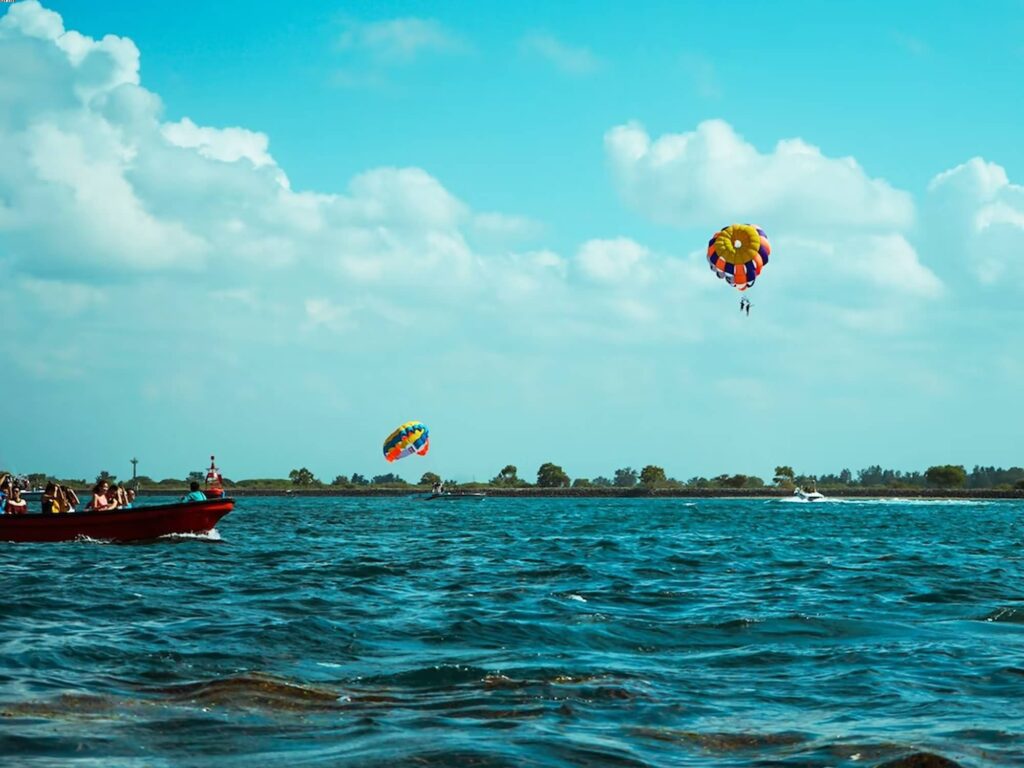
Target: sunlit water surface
(524,632)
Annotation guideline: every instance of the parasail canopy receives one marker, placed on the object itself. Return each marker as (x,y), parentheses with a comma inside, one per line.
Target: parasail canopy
(412,437)
(737,254)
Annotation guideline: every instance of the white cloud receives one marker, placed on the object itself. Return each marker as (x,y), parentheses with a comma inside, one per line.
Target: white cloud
(225,144)
(323,313)
(830,223)
(399,41)
(102,64)
(614,261)
(572,60)
(976,215)
(502,227)
(714,175)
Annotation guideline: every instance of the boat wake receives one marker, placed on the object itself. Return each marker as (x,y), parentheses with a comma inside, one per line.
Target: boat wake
(905,501)
(211,535)
(83,539)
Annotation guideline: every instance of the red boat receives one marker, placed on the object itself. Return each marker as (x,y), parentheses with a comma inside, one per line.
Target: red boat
(139,523)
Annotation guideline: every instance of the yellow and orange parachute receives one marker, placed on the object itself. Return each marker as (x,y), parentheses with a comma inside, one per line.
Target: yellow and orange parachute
(412,437)
(738,253)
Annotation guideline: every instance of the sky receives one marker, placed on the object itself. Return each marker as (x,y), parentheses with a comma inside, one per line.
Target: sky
(276,232)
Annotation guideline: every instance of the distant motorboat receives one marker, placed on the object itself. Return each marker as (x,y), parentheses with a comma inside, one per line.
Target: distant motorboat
(803,495)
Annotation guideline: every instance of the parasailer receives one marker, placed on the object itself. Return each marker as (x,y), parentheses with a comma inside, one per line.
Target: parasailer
(412,437)
(737,254)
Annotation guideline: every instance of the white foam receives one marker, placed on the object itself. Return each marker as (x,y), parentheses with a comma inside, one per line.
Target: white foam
(211,535)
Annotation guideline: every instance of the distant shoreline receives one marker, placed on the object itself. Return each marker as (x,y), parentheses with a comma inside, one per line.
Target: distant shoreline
(637,492)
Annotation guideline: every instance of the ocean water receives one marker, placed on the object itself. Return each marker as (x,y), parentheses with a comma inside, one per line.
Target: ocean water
(539,632)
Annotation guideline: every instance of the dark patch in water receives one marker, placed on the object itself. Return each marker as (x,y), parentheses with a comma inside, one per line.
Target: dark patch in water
(920,760)
(723,742)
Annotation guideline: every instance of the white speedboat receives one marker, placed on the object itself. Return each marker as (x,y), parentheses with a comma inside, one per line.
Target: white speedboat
(803,495)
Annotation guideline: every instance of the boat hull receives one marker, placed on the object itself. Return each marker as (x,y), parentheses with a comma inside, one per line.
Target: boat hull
(140,523)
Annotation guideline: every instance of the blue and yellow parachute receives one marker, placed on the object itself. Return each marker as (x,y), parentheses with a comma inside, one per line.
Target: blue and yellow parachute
(738,253)
(412,437)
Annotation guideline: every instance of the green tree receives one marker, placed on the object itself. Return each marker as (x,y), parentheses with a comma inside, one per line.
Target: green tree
(340,480)
(552,476)
(1019,485)
(358,479)
(601,482)
(731,481)
(783,476)
(106,477)
(652,475)
(430,478)
(625,477)
(581,482)
(946,476)
(302,477)
(389,479)
(508,476)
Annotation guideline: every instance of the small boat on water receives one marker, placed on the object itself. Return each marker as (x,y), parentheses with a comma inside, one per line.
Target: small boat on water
(455,496)
(136,524)
(803,495)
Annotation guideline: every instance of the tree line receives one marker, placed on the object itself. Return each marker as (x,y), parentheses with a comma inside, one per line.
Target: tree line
(551,475)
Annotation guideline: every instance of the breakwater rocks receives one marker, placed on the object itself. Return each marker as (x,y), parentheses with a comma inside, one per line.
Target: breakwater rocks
(621,493)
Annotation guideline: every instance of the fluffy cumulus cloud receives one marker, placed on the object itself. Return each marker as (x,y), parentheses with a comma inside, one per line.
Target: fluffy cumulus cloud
(712,173)
(98,188)
(614,261)
(836,223)
(976,216)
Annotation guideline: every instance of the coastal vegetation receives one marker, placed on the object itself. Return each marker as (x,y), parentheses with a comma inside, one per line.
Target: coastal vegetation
(552,476)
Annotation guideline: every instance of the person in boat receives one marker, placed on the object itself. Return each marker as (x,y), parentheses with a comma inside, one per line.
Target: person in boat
(114,496)
(100,500)
(16,505)
(49,502)
(67,498)
(5,491)
(194,494)
(129,499)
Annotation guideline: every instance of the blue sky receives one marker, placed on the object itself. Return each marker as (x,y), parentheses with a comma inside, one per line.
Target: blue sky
(276,233)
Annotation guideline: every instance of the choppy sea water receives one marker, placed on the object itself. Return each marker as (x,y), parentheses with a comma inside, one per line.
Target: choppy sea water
(569,632)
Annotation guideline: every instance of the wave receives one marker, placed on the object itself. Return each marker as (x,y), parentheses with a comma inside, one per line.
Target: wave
(211,535)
